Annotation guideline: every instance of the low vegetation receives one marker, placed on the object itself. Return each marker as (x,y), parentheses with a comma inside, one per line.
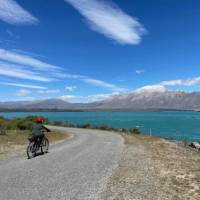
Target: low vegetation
(104,127)
(14,133)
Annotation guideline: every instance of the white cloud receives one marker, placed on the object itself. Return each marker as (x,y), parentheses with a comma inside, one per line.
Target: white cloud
(12,13)
(103,84)
(151,88)
(26,60)
(70,88)
(48,91)
(14,71)
(24,85)
(179,82)
(68,97)
(97,97)
(23,92)
(19,51)
(86,99)
(139,71)
(110,20)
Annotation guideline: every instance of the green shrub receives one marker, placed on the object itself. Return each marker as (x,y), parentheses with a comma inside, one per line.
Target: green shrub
(104,127)
(134,131)
(25,125)
(2,130)
(84,126)
(124,130)
(71,125)
(57,123)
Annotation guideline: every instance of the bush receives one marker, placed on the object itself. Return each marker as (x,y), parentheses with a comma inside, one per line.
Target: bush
(57,123)
(18,123)
(2,130)
(134,131)
(84,126)
(124,130)
(104,127)
(71,125)
(25,125)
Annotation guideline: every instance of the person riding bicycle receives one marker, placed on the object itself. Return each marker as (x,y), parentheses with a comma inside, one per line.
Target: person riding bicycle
(39,129)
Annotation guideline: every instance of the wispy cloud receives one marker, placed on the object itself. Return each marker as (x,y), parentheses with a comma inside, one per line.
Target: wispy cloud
(151,88)
(103,84)
(10,33)
(15,71)
(48,91)
(26,60)
(19,51)
(23,85)
(69,97)
(70,88)
(12,13)
(23,92)
(180,82)
(69,76)
(86,99)
(162,86)
(139,71)
(97,97)
(110,20)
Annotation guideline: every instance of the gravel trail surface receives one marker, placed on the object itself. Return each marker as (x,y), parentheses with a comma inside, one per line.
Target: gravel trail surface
(75,169)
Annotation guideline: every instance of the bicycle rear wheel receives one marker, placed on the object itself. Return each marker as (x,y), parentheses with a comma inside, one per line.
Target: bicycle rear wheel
(45,145)
(31,150)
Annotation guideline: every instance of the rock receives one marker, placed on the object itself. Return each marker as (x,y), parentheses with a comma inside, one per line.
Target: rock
(195,145)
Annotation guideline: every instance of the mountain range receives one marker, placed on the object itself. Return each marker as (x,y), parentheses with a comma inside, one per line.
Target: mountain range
(133,101)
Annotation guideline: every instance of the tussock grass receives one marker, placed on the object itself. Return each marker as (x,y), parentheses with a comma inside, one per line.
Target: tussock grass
(15,140)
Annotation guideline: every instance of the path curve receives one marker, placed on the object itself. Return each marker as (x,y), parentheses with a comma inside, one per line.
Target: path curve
(75,169)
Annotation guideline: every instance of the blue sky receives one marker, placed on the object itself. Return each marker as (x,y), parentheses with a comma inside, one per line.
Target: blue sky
(87,50)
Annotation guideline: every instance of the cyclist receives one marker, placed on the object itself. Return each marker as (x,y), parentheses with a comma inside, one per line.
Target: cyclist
(38,130)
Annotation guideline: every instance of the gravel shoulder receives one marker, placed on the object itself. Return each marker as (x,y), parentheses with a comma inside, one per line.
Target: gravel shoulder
(155,169)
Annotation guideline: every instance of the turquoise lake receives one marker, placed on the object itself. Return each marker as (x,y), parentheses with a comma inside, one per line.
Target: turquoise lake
(173,125)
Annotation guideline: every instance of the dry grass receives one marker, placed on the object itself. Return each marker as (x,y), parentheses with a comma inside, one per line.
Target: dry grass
(16,140)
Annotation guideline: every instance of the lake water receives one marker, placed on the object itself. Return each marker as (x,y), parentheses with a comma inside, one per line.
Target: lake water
(174,125)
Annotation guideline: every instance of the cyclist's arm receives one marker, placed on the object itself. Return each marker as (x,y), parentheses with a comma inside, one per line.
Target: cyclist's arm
(46,129)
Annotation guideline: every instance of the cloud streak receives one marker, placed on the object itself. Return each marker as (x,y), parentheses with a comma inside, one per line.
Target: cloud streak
(110,20)
(86,99)
(15,71)
(70,88)
(188,82)
(23,92)
(139,71)
(48,91)
(151,88)
(26,60)
(11,12)
(103,84)
(24,85)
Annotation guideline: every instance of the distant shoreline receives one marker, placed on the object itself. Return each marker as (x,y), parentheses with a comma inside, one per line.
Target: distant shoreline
(97,110)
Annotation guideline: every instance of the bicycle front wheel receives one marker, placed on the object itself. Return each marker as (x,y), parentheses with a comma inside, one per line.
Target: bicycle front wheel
(31,150)
(45,145)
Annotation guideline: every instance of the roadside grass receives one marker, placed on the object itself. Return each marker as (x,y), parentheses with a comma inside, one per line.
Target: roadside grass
(57,136)
(15,140)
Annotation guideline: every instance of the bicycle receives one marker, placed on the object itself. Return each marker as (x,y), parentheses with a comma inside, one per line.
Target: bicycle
(35,146)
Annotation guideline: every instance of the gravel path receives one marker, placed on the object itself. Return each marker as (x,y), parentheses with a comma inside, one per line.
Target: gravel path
(76,169)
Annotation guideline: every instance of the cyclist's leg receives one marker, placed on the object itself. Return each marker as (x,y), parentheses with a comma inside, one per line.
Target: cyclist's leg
(41,137)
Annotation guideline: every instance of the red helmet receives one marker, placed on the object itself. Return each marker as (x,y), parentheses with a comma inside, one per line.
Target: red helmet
(39,120)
